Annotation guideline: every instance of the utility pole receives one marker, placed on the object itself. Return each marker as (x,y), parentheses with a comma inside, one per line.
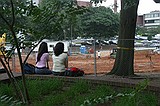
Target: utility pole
(71,29)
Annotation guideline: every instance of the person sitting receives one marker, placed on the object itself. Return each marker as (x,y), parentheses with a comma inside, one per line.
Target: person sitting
(42,59)
(60,60)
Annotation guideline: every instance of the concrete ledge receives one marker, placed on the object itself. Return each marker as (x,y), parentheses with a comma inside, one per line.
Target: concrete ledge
(4,76)
(154,84)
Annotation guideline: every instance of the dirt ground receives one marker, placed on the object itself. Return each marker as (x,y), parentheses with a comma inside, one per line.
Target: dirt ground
(142,62)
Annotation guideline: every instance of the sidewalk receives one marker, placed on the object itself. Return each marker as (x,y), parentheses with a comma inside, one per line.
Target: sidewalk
(4,76)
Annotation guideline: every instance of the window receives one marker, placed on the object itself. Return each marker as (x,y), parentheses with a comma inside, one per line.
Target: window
(149,21)
(157,15)
(157,21)
(146,16)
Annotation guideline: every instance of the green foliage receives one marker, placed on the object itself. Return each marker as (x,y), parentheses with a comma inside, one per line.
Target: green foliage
(54,18)
(42,87)
(21,10)
(133,98)
(101,89)
(129,3)
(149,37)
(19,19)
(100,22)
(7,96)
(55,92)
(23,17)
(6,89)
(9,101)
(51,19)
(147,31)
(80,87)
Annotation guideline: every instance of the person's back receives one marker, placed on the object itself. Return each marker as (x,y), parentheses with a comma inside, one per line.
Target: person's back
(42,59)
(60,59)
(59,62)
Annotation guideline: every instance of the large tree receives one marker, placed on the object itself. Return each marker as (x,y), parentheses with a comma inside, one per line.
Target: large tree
(53,18)
(147,31)
(124,62)
(21,11)
(100,22)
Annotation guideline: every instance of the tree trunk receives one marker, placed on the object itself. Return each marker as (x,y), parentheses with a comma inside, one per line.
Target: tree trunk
(124,62)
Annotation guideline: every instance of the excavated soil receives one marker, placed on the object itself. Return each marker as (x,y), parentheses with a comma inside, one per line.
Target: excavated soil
(144,61)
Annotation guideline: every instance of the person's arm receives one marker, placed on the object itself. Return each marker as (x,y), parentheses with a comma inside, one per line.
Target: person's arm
(47,62)
(66,62)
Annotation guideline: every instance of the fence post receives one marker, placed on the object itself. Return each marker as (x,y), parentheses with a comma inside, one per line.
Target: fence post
(95,64)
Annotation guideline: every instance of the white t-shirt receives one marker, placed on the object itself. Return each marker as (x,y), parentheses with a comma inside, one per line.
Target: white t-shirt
(59,62)
(99,53)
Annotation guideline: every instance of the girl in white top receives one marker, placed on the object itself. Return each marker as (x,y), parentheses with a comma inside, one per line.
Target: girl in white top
(60,59)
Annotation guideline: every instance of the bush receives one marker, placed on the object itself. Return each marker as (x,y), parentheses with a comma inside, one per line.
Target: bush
(55,92)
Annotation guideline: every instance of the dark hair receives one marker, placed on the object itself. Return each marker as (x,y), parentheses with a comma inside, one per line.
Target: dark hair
(43,48)
(59,48)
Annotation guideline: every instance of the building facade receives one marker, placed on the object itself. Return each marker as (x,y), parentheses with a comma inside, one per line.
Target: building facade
(140,21)
(152,19)
(80,3)
(84,3)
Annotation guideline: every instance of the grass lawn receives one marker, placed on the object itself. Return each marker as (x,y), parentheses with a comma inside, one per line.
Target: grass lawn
(55,92)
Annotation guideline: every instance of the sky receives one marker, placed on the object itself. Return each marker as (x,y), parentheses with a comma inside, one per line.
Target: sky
(145,6)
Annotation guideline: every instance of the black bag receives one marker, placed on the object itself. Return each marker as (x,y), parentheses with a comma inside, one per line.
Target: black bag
(74,72)
(29,68)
